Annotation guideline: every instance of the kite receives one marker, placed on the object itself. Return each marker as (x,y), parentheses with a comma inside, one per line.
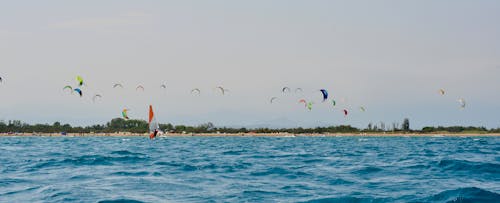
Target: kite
(117,85)
(272,99)
(79,91)
(334,102)
(441,91)
(345,112)
(362,109)
(139,87)
(303,101)
(163,86)
(285,89)
(80,80)
(95,97)
(125,113)
(310,105)
(69,88)
(196,90)
(222,90)
(462,103)
(325,94)
(298,90)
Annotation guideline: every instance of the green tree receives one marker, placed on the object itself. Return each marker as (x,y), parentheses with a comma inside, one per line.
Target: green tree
(406,125)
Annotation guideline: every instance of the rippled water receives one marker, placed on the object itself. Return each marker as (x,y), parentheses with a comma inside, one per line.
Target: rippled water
(251,169)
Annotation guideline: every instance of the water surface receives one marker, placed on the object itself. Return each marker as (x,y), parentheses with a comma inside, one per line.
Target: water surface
(250,169)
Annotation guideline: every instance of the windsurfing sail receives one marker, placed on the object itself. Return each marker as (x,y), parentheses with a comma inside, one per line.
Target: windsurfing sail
(154,127)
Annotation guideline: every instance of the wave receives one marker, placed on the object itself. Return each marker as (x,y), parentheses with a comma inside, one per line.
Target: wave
(59,194)
(271,171)
(125,152)
(225,168)
(163,163)
(340,181)
(294,188)
(348,200)
(88,160)
(125,173)
(214,167)
(182,166)
(469,194)
(434,143)
(331,180)
(474,167)
(24,190)
(310,161)
(81,177)
(259,156)
(418,166)
(367,170)
(12,181)
(259,193)
(120,201)
(278,171)
(52,193)
(233,152)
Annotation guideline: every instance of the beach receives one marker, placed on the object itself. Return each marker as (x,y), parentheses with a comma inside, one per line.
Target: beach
(128,134)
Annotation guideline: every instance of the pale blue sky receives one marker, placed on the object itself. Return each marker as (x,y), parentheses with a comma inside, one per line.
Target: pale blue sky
(390,56)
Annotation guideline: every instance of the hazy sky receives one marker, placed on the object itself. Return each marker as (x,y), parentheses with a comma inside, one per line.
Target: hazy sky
(391,57)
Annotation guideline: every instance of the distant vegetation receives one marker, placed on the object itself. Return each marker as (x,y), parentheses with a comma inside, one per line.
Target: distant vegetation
(141,126)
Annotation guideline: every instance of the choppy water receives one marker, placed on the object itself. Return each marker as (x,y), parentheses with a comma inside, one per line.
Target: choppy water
(249,169)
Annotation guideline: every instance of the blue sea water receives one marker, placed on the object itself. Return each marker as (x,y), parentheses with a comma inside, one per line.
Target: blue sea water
(250,169)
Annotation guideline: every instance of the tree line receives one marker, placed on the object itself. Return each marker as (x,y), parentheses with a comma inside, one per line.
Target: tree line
(141,126)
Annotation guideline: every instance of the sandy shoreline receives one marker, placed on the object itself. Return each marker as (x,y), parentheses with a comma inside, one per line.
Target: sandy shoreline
(125,134)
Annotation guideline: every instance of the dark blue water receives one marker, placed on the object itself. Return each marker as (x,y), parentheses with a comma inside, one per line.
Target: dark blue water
(249,169)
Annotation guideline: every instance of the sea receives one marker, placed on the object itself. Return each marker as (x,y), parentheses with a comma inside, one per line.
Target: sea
(250,169)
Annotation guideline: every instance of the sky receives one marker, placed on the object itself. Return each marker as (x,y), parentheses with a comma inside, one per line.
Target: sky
(390,57)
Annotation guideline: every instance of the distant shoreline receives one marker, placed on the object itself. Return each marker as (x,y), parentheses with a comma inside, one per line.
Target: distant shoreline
(125,134)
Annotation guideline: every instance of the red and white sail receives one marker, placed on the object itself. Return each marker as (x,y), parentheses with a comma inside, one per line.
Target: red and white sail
(154,127)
